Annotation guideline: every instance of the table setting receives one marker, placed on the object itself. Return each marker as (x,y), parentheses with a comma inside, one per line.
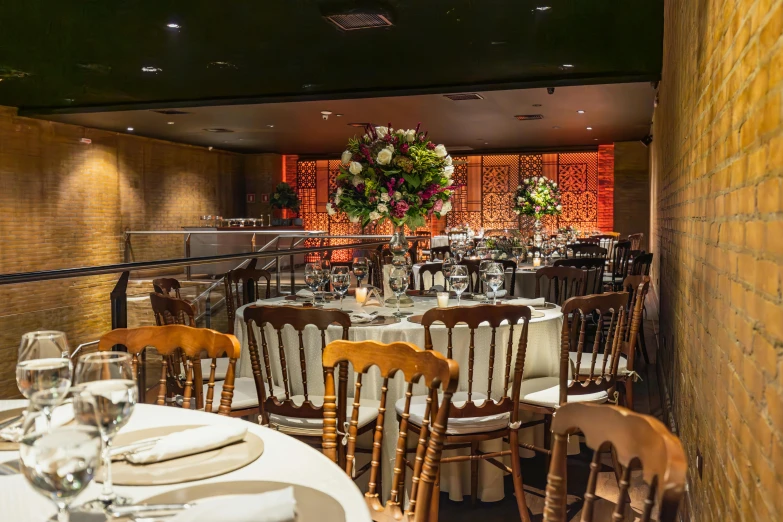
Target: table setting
(81,447)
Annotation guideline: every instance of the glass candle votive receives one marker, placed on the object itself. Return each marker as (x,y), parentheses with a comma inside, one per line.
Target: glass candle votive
(361,295)
(443,299)
(536,261)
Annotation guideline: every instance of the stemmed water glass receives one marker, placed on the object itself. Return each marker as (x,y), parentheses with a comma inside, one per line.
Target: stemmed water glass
(483,266)
(312,277)
(459,280)
(495,276)
(43,364)
(448,265)
(105,396)
(398,282)
(326,272)
(360,269)
(341,281)
(58,464)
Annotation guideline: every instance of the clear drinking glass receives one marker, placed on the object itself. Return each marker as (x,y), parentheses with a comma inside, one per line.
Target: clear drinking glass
(341,281)
(105,396)
(483,266)
(448,265)
(495,276)
(43,364)
(459,280)
(398,282)
(312,277)
(360,269)
(326,273)
(60,463)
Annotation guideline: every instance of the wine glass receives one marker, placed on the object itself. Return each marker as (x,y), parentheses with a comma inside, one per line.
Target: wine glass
(60,463)
(43,364)
(495,276)
(326,272)
(459,280)
(483,266)
(312,277)
(360,269)
(341,280)
(105,397)
(448,265)
(398,282)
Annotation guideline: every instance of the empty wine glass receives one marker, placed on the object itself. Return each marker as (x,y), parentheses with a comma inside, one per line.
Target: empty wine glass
(43,364)
(341,281)
(459,280)
(326,272)
(60,463)
(105,397)
(398,282)
(312,277)
(495,276)
(360,269)
(448,265)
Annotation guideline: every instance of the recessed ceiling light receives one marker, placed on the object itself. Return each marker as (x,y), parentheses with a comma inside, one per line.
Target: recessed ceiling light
(171,123)
(218,129)
(326,113)
(595,139)
(580,111)
(589,128)
(339,115)
(567,66)
(486,143)
(130,129)
(543,8)
(173,26)
(271,126)
(150,69)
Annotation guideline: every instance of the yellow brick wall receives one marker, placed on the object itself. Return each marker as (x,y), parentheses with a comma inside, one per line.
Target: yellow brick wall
(717,230)
(66,204)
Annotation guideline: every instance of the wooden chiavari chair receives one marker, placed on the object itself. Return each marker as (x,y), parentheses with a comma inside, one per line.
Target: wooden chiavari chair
(478,416)
(641,264)
(439,375)
(165,285)
(440,252)
(563,283)
(193,342)
(586,250)
(544,395)
(607,241)
(432,269)
(636,240)
(594,283)
(474,274)
(636,440)
(242,287)
(588,240)
(619,265)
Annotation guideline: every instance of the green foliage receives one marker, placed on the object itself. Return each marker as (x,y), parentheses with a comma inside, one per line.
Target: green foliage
(285,197)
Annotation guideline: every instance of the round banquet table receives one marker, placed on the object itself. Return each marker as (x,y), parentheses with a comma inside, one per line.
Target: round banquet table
(284,460)
(542,360)
(525,285)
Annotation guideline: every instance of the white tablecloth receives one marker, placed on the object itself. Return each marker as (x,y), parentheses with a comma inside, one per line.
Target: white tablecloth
(439,241)
(284,460)
(542,360)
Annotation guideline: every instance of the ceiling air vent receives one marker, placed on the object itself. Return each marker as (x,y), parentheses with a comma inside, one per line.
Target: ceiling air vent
(170,111)
(463,96)
(354,21)
(523,117)
(218,129)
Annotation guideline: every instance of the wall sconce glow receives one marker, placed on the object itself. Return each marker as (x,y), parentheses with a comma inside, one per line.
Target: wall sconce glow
(130,129)
(580,112)
(150,69)
(173,26)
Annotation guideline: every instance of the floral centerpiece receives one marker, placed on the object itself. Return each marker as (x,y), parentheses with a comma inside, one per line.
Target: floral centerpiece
(394,174)
(284,200)
(537,197)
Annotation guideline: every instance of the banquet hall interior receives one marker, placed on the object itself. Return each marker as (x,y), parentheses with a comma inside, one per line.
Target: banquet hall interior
(391,260)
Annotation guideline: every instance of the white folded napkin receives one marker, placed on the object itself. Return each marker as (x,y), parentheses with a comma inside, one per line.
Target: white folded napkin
(273,506)
(190,442)
(540,301)
(480,297)
(304,292)
(361,317)
(60,416)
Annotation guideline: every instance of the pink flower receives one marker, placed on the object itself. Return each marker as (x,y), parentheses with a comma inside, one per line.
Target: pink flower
(400,208)
(431,146)
(538,209)
(404,148)
(438,205)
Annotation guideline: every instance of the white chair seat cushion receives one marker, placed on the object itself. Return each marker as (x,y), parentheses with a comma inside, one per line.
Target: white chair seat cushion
(584,364)
(221,367)
(368,412)
(245,394)
(545,391)
(456,426)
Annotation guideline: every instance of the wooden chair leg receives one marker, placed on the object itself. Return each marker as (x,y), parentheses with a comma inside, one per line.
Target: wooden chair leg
(547,439)
(474,465)
(516,476)
(618,472)
(435,500)
(642,344)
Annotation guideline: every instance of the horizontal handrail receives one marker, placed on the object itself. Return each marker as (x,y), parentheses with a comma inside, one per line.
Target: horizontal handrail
(65,273)
(283,233)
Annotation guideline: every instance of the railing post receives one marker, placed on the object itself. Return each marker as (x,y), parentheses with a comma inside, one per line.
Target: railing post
(208,309)
(119,305)
(253,242)
(187,256)
(126,254)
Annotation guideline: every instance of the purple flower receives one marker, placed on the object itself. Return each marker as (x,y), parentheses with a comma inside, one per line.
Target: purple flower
(404,148)
(400,208)
(360,188)
(430,145)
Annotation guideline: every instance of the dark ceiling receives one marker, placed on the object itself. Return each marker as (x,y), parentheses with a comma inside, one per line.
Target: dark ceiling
(72,55)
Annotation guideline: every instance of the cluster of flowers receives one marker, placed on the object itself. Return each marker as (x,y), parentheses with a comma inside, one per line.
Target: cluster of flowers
(395,174)
(537,196)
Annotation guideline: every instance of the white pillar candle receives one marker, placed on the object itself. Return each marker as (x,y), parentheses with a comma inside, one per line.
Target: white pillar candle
(536,261)
(361,295)
(443,299)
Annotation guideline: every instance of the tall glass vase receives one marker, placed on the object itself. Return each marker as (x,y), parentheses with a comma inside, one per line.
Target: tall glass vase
(537,233)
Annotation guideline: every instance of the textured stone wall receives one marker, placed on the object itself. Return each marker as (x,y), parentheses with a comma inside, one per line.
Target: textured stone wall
(632,189)
(717,163)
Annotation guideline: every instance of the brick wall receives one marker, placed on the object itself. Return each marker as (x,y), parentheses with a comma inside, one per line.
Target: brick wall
(632,189)
(717,225)
(262,174)
(606,192)
(66,204)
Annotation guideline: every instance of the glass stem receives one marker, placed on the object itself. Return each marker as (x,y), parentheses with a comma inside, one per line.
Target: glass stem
(398,305)
(341,301)
(62,512)
(48,417)
(107,495)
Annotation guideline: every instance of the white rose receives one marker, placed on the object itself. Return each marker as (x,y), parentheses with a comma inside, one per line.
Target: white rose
(520,200)
(559,208)
(384,156)
(337,200)
(382,208)
(357,180)
(519,187)
(385,197)
(554,184)
(410,135)
(330,209)
(517,211)
(448,170)
(446,208)
(346,157)
(340,191)
(447,160)
(397,196)
(382,131)
(355,167)
(354,219)
(441,152)
(374,216)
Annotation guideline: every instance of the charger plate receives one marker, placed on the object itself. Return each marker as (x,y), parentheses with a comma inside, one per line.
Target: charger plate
(184,469)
